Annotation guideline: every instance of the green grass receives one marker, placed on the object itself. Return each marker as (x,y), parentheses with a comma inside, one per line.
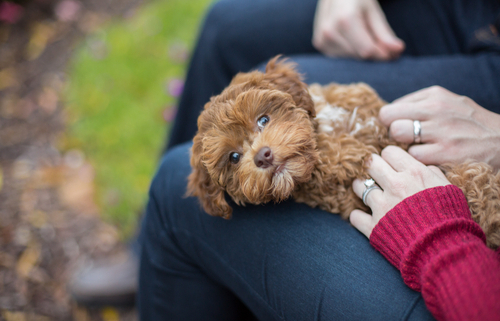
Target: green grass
(116,95)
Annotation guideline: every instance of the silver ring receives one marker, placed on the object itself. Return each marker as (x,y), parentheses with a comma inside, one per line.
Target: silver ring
(370,186)
(417,132)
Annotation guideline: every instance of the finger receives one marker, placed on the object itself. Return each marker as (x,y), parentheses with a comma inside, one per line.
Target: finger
(334,44)
(362,221)
(429,154)
(381,171)
(399,159)
(383,33)
(361,40)
(437,171)
(403,131)
(371,198)
(413,110)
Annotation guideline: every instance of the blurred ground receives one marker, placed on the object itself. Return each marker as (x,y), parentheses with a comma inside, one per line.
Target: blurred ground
(49,221)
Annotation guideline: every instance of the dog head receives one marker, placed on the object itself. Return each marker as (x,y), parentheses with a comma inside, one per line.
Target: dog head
(255,141)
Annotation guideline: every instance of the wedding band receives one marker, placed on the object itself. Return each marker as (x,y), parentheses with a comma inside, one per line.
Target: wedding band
(417,131)
(370,186)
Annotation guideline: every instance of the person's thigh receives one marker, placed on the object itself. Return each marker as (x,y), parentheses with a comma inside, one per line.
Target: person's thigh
(282,261)
(475,76)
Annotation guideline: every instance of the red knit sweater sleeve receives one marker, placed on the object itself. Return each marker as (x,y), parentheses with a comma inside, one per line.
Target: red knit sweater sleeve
(431,238)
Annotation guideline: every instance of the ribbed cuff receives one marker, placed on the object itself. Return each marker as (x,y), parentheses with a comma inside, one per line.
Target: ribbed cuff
(421,226)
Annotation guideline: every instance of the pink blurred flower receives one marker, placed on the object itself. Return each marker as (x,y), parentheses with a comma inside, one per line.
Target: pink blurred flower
(175,87)
(68,10)
(10,12)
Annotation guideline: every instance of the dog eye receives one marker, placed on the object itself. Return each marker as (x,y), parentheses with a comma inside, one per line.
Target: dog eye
(234,158)
(262,121)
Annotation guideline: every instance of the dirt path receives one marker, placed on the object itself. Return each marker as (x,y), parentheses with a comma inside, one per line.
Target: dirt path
(48,221)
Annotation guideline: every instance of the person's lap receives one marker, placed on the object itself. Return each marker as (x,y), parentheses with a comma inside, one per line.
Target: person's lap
(282,261)
(287,260)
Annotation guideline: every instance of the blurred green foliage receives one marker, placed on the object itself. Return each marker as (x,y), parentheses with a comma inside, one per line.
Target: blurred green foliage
(118,99)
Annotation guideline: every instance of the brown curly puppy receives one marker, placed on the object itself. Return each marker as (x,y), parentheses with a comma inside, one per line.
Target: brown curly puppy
(269,136)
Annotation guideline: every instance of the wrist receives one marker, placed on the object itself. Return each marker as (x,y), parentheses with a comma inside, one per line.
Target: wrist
(409,234)
(491,139)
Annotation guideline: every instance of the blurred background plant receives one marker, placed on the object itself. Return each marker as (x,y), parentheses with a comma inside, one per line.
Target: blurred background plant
(88,89)
(122,88)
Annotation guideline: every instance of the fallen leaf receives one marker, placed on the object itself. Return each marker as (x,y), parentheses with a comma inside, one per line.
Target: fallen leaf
(28,260)
(41,34)
(8,78)
(110,314)
(37,218)
(48,100)
(47,176)
(14,316)
(77,190)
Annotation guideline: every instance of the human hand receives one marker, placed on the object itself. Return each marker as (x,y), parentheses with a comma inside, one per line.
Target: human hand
(453,128)
(400,176)
(354,28)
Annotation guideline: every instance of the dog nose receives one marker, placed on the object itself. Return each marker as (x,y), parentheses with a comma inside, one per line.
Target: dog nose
(264,158)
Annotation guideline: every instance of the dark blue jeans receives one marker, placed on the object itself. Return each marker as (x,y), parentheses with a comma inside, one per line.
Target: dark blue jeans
(289,261)
(273,262)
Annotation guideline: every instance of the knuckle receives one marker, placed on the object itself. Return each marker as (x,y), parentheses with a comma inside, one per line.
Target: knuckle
(328,35)
(384,114)
(465,100)
(436,89)
(416,172)
(343,22)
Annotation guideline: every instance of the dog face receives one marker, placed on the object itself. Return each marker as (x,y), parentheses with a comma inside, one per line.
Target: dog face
(253,142)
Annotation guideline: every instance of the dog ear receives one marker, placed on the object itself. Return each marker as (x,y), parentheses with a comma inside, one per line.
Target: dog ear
(283,76)
(200,184)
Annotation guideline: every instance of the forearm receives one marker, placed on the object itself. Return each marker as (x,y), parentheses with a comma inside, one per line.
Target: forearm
(441,252)
(463,283)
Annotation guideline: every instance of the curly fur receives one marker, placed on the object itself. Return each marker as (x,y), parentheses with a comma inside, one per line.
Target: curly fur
(320,138)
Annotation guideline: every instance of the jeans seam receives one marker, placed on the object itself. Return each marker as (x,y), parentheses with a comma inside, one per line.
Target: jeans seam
(411,307)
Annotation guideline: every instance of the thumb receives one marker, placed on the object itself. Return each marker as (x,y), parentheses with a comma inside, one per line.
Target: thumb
(362,221)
